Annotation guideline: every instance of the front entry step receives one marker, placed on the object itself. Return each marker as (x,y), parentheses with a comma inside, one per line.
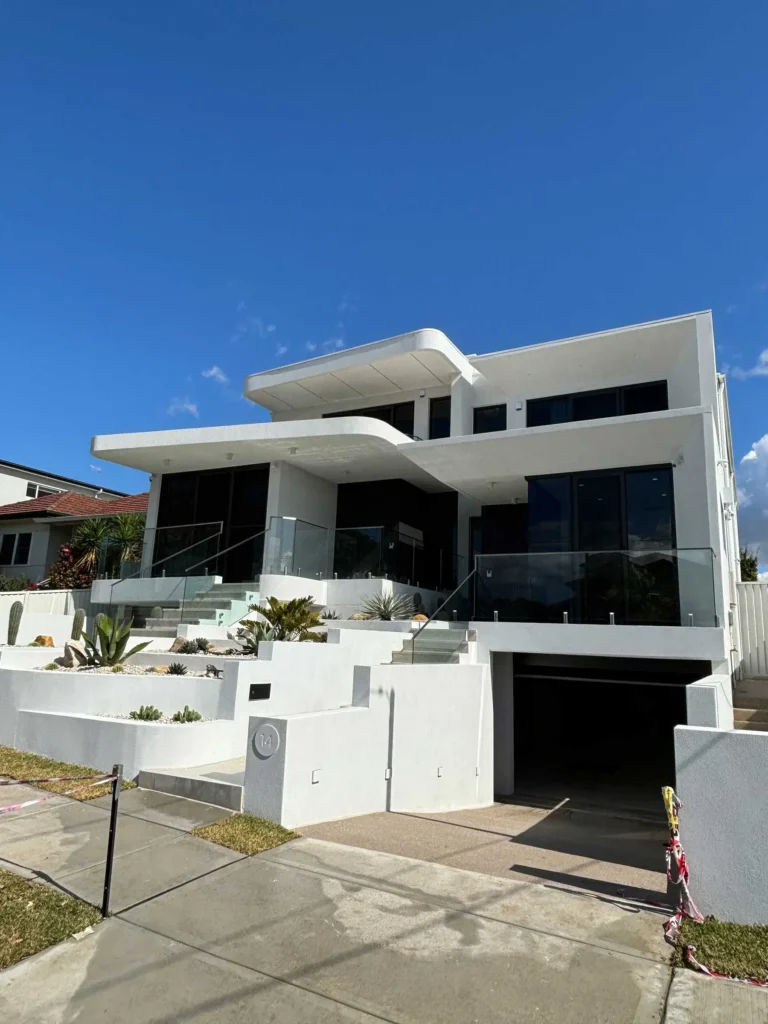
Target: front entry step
(220,783)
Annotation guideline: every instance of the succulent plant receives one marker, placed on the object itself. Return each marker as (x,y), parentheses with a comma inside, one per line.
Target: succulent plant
(177,669)
(14,621)
(146,713)
(77,624)
(187,715)
(107,644)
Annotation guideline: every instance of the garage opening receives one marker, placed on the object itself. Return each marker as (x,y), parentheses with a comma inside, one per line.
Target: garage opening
(594,731)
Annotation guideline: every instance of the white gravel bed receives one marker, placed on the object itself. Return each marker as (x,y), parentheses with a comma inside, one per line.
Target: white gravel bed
(165,720)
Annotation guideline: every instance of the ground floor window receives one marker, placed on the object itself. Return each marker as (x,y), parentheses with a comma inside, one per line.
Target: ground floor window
(14,548)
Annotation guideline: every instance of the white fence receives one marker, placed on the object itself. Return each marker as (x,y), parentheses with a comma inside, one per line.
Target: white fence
(753,616)
(45,611)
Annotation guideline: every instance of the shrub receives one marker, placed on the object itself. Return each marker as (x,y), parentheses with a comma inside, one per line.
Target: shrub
(250,634)
(188,647)
(177,669)
(146,713)
(107,644)
(387,606)
(67,574)
(9,583)
(202,645)
(749,561)
(51,667)
(291,620)
(329,613)
(187,715)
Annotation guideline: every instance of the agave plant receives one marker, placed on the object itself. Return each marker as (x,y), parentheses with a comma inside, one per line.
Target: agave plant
(387,606)
(250,634)
(291,620)
(107,644)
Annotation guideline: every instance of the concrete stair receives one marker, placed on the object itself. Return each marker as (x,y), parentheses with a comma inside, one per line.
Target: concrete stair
(222,605)
(436,647)
(750,705)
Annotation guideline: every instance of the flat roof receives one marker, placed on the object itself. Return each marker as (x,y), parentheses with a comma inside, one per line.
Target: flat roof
(64,479)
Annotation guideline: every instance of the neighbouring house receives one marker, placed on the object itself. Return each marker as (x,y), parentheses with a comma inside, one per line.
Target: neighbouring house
(568,508)
(18,482)
(32,531)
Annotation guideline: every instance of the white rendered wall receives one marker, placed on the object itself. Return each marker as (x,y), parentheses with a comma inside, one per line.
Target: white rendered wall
(430,724)
(724,820)
(13,485)
(153,504)
(37,562)
(709,702)
(753,615)
(346,597)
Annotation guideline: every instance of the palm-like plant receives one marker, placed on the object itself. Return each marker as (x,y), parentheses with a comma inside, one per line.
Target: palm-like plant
(127,530)
(107,644)
(88,539)
(388,606)
(291,620)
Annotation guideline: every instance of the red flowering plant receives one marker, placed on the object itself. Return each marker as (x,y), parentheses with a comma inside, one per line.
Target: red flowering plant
(67,574)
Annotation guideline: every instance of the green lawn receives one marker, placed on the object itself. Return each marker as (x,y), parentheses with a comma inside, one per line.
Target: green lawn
(739,950)
(17,764)
(34,916)
(245,833)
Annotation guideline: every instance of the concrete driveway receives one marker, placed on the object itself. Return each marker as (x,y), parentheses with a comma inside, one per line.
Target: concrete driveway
(320,932)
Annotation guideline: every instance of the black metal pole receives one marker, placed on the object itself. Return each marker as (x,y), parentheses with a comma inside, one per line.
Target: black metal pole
(117,771)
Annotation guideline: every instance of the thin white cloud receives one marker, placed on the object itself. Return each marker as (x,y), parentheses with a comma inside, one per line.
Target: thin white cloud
(731,308)
(281,350)
(333,344)
(270,327)
(216,373)
(96,469)
(311,346)
(183,405)
(752,496)
(241,307)
(760,369)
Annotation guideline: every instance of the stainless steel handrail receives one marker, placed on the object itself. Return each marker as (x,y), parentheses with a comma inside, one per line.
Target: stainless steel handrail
(439,608)
(183,526)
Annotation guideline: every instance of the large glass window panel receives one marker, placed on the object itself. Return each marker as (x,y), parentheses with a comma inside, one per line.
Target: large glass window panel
(6,548)
(402,417)
(542,411)
(645,398)
(23,545)
(440,417)
(650,509)
(598,513)
(549,514)
(595,405)
(488,418)
(177,499)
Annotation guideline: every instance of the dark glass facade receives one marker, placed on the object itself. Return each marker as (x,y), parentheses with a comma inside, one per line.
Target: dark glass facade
(399,415)
(595,405)
(487,418)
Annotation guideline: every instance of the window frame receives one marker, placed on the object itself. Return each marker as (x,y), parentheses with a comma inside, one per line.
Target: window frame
(484,408)
(15,547)
(432,401)
(620,391)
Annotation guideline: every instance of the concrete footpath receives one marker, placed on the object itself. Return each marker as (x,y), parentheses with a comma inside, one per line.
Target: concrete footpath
(319,932)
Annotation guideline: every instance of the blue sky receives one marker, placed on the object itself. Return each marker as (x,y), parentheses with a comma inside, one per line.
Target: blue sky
(191,187)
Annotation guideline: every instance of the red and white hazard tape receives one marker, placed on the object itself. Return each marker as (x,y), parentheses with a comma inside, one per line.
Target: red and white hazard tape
(686,907)
(9,808)
(58,778)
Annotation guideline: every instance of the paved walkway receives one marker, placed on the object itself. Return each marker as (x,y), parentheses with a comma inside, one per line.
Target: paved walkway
(322,932)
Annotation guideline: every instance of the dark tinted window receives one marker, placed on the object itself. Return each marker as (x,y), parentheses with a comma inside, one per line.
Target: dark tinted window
(440,417)
(402,417)
(650,510)
(646,397)
(598,513)
(178,498)
(399,416)
(595,405)
(22,549)
(490,417)
(541,411)
(549,514)
(6,548)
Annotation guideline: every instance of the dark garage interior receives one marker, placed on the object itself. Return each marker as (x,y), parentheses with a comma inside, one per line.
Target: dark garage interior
(595,731)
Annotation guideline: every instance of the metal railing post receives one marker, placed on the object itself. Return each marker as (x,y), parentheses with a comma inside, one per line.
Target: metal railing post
(611,619)
(117,771)
(565,618)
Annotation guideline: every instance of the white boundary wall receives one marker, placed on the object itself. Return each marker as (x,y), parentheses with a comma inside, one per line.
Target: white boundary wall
(753,618)
(416,738)
(724,820)
(45,611)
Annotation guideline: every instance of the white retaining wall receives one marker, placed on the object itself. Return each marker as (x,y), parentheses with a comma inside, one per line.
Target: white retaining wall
(417,738)
(45,611)
(724,820)
(753,618)
(346,597)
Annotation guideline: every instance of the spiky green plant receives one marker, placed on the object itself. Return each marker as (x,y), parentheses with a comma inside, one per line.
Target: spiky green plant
(203,645)
(88,539)
(77,624)
(251,633)
(188,647)
(127,531)
(177,669)
(14,621)
(187,715)
(331,614)
(51,667)
(146,713)
(107,644)
(387,607)
(291,620)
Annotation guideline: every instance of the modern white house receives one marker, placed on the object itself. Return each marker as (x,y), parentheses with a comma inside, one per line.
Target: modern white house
(565,511)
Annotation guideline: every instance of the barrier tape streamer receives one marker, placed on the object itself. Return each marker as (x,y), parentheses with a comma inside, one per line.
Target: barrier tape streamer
(680,876)
(58,778)
(9,808)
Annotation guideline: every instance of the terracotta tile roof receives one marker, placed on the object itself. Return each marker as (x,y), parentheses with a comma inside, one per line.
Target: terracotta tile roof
(69,503)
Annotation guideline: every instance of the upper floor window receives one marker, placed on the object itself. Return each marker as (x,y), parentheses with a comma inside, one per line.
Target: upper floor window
(14,548)
(595,405)
(399,416)
(38,490)
(440,417)
(487,418)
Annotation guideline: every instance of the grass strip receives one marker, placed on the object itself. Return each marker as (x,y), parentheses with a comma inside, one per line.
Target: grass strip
(34,916)
(738,950)
(18,764)
(245,833)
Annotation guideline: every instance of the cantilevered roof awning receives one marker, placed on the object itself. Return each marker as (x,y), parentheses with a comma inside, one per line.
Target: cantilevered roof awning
(347,449)
(407,362)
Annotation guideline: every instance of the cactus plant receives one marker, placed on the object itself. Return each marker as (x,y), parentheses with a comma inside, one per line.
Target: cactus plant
(14,621)
(77,624)
(157,612)
(187,715)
